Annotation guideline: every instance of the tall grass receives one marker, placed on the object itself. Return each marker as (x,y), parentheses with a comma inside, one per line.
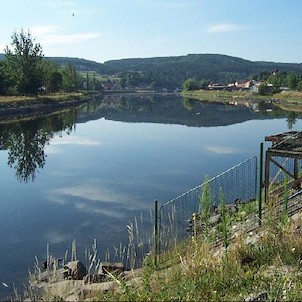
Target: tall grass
(205,201)
(223,219)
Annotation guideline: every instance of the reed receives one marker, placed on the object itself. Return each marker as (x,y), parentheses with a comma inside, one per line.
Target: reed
(223,219)
(205,201)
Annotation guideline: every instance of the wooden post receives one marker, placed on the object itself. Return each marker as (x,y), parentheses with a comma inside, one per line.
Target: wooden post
(260,184)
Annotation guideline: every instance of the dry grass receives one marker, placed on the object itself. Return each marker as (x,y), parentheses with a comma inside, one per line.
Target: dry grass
(54,97)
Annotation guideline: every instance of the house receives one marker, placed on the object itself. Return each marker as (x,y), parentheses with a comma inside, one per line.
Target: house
(246,84)
(216,86)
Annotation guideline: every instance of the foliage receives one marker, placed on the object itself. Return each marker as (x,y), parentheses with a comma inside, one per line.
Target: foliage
(264,89)
(26,141)
(24,63)
(24,70)
(190,84)
(224,219)
(205,200)
(271,266)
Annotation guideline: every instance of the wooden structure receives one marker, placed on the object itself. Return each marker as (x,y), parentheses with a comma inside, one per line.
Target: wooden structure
(286,146)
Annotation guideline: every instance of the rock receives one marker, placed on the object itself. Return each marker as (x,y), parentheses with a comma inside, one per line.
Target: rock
(76,270)
(257,297)
(214,219)
(97,278)
(53,276)
(111,267)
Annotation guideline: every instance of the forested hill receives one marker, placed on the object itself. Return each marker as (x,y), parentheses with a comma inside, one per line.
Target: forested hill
(172,71)
(213,67)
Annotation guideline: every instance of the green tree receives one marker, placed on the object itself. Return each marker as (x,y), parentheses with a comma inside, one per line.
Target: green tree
(190,84)
(299,86)
(123,81)
(70,78)
(292,81)
(264,89)
(277,80)
(204,84)
(5,81)
(24,63)
(54,82)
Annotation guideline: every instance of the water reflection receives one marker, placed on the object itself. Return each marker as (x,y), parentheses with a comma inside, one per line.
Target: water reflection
(180,111)
(97,178)
(26,140)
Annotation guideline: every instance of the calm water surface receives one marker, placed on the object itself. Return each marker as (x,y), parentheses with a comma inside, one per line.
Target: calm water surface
(85,174)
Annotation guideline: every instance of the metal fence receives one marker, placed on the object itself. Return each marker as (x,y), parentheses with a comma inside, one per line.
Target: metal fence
(237,183)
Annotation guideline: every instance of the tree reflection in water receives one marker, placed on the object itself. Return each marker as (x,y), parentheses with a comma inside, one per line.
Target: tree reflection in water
(25,141)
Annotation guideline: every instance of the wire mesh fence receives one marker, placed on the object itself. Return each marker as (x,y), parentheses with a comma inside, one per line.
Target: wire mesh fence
(238,183)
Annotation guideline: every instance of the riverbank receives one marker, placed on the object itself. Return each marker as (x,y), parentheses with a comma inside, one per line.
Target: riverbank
(17,107)
(287,100)
(261,264)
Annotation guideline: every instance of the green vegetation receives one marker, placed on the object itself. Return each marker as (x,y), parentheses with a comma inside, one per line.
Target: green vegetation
(262,262)
(25,141)
(269,266)
(286,100)
(25,72)
(171,72)
(219,95)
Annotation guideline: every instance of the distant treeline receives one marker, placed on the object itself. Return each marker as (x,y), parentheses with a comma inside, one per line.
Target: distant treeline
(171,72)
(24,71)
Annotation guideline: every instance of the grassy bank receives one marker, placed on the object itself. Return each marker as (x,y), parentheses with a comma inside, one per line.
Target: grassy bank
(58,97)
(23,107)
(290,97)
(265,263)
(222,95)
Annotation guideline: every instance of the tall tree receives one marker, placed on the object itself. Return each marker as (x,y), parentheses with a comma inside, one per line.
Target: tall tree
(24,62)
(71,79)
(190,84)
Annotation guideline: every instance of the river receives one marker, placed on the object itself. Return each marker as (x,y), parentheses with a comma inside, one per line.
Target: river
(85,174)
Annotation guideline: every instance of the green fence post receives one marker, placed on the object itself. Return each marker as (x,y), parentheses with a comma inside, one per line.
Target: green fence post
(260,184)
(155,232)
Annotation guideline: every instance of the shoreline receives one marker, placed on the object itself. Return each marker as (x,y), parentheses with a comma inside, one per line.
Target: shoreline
(291,100)
(17,108)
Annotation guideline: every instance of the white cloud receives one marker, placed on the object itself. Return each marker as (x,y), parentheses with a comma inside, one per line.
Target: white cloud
(92,197)
(72,140)
(95,209)
(225,27)
(93,193)
(54,39)
(42,30)
(222,150)
(57,237)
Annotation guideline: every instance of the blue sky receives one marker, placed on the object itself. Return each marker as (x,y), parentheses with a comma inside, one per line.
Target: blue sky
(101,30)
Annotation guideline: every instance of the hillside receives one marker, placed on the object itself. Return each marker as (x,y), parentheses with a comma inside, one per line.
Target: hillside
(172,71)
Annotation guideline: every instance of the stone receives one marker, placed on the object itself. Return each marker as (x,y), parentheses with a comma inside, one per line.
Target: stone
(111,267)
(257,297)
(214,219)
(53,276)
(76,270)
(96,278)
